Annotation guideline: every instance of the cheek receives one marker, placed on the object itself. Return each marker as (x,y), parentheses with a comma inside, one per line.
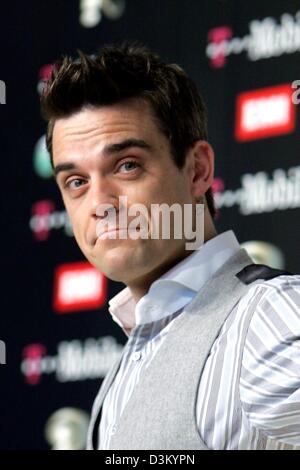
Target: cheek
(153,192)
(170,191)
(78,221)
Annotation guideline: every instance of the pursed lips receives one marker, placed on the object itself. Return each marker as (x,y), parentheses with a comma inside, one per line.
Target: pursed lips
(104,232)
(100,233)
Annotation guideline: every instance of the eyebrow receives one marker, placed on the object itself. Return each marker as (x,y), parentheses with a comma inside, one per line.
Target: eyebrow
(107,151)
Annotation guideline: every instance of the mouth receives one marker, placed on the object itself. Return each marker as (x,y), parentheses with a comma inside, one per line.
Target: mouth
(113,233)
(116,233)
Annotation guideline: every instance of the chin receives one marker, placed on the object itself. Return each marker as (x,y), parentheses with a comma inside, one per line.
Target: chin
(115,273)
(115,263)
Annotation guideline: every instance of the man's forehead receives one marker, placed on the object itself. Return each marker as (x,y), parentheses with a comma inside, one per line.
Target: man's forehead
(104,119)
(104,125)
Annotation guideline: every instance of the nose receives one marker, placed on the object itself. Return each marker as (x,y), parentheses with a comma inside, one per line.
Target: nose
(104,197)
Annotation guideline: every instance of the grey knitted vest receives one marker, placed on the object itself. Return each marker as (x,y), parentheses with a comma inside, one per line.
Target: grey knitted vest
(161,412)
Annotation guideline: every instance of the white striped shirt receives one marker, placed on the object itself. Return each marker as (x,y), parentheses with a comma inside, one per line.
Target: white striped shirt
(269,380)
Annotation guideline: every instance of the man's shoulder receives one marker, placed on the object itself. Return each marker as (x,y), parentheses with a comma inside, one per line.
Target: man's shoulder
(273,301)
(277,286)
(275,308)
(269,382)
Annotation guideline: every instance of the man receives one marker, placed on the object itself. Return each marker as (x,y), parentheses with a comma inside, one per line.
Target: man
(212,358)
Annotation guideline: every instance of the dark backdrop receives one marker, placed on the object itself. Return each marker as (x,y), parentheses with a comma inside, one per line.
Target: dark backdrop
(35,33)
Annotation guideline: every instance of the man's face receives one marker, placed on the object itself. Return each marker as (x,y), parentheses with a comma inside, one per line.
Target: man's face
(98,171)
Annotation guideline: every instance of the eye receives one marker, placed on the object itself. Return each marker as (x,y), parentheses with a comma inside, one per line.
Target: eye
(128,166)
(74,183)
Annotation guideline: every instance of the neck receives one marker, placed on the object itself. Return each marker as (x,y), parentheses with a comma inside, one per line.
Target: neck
(139,287)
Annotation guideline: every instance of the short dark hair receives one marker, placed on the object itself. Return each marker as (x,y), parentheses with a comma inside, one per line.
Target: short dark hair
(129,70)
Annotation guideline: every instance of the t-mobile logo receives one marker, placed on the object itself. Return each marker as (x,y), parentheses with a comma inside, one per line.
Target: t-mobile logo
(45,218)
(32,363)
(40,219)
(267,37)
(44,75)
(217,38)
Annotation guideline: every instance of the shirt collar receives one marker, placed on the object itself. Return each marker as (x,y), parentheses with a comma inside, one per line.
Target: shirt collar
(176,287)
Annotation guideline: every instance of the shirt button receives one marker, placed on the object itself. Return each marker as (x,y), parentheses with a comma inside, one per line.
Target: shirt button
(136,356)
(113,429)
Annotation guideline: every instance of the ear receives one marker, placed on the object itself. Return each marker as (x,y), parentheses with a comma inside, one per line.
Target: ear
(201,160)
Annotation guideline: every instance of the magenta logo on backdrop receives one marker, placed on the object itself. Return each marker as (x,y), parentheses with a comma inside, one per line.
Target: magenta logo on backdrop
(45,218)
(267,37)
(73,361)
(218,186)
(39,222)
(44,75)
(32,363)
(217,38)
